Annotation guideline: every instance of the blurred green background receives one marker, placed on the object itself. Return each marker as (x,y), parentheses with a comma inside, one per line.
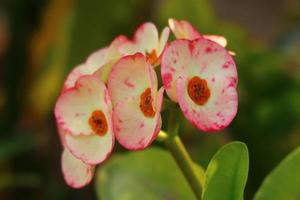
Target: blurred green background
(41,40)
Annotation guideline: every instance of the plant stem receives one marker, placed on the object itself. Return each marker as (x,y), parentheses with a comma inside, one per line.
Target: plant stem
(186,164)
(193,174)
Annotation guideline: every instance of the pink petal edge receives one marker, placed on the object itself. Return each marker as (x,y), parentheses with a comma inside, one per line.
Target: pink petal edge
(203,121)
(72,169)
(154,132)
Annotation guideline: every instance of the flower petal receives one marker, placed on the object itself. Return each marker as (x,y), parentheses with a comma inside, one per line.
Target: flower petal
(111,56)
(75,106)
(113,51)
(200,57)
(103,72)
(217,38)
(92,149)
(211,59)
(130,76)
(74,75)
(183,29)
(93,63)
(217,112)
(163,40)
(76,173)
(175,62)
(61,134)
(98,63)
(96,60)
(144,41)
(132,128)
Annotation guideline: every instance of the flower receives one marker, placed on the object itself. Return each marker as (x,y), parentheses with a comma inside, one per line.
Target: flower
(78,161)
(201,76)
(76,173)
(84,119)
(197,72)
(136,102)
(184,30)
(98,63)
(147,42)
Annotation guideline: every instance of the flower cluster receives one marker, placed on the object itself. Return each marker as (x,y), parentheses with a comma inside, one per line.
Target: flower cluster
(114,94)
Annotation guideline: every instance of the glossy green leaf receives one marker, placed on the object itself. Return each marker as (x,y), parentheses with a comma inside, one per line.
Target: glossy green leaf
(227,173)
(284,181)
(150,174)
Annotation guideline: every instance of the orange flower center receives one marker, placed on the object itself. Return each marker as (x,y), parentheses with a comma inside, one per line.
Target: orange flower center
(146,103)
(151,57)
(198,90)
(98,122)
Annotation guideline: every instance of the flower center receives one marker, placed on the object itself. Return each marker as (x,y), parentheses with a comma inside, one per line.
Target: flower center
(98,122)
(198,90)
(146,103)
(151,57)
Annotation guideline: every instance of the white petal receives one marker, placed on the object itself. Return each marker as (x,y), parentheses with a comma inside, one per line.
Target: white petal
(76,105)
(76,173)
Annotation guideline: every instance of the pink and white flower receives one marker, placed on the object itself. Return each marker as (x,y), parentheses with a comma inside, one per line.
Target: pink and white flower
(147,41)
(184,30)
(98,63)
(84,119)
(201,76)
(77,174)
(197,72)
(136,102)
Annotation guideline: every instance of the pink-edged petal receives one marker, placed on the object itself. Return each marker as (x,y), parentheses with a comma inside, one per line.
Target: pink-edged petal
(92,64)
(183,29)
(91,149)
(113,51)
(220,40)
(112,54)
(132,128)
(200,57)
(217,38)
(74,75)
(163,40)
(210,59)
(144,41)
(217,112)
(232,53)
(130,76)
(76,173)
(75,106)
(175,62)
(103,72)
(97,59)
(61,134)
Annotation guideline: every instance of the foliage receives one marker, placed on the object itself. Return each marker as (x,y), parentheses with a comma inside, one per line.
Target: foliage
(150,174)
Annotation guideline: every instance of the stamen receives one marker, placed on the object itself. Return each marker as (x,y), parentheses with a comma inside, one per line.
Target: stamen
(152,57)
(146,103)
(98,122)
(198,90)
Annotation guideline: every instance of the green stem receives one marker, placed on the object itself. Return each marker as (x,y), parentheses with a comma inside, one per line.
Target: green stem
(193,173)
(186,164)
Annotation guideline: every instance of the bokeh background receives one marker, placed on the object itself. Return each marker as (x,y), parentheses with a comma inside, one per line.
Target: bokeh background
(41,40)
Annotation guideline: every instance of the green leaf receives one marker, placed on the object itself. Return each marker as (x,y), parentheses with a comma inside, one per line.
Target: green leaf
(227,173)
(284,181)
(150,174)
